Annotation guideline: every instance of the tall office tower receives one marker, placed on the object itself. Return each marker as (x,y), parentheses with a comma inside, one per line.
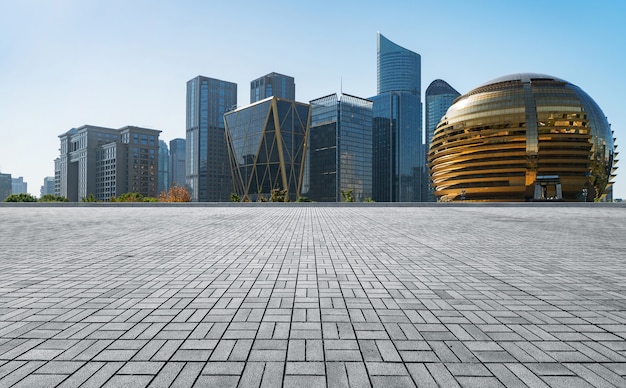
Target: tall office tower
(439,96)
(107,162)
(177,162)
(339,153)
(208,174)
(397,152)
(273,84)
(18,186)
(267,147)
(47,187)
(5,186)
(75,167)
(164,167)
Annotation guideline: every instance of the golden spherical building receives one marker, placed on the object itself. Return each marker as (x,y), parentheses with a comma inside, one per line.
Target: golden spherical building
(522,137)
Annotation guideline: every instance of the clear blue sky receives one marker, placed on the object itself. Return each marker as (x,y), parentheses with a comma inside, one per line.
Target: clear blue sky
(66,63)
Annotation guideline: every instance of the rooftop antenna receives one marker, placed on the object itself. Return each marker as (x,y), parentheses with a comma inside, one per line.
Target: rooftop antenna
(341,84)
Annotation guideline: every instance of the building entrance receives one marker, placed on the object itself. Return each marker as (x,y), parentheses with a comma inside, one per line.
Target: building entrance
(548,188)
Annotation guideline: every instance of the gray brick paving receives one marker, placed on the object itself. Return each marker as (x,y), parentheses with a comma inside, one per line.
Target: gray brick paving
(313,296)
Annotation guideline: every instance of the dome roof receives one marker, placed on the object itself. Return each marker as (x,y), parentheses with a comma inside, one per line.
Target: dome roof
(522,77)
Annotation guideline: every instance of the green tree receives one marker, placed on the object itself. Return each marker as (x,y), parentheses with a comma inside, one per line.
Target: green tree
(347,196)
(368,199)
(234,197)
(279,195)
(52,198)
(21,197)
(128,197)
(89,198)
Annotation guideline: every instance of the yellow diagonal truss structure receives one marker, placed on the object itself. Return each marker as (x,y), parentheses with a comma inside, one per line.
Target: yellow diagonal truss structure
(267,147)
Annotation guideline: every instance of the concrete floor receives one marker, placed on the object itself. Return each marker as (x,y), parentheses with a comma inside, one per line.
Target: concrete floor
(316,296)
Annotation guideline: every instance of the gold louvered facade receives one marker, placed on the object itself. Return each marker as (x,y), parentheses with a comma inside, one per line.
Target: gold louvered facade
(267,147)
(524,137)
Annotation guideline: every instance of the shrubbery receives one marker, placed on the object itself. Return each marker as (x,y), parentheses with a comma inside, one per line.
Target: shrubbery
(21,197)
(347,196)
(52,198)
(279,195)
(89,198)
(132,197)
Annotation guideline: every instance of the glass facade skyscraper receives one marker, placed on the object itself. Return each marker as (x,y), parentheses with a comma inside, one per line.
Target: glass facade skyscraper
(177,162)
(273,84)
(439,96)
(398,152)
(208,175)
(164,167)
(5,186)
(47,187)
(267,147)
(398,69)
(18,186)
(340,148)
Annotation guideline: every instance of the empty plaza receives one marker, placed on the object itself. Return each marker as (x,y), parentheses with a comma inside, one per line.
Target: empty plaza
(313,296)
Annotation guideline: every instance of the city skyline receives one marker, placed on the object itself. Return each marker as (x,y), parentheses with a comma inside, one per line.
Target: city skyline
(72,63)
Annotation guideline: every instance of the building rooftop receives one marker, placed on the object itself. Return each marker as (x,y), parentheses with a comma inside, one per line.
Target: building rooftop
(523,77)
(312,295)
(438,87)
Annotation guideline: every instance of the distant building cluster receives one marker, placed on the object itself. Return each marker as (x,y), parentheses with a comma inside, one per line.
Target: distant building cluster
(10,185)
(371,148)
(102,162)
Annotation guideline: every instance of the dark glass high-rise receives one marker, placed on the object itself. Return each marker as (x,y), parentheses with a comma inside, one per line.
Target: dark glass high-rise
(398,152)
(267,146)
(177,162)
(208,175)
(273,85)
(439,96)
(340,148)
